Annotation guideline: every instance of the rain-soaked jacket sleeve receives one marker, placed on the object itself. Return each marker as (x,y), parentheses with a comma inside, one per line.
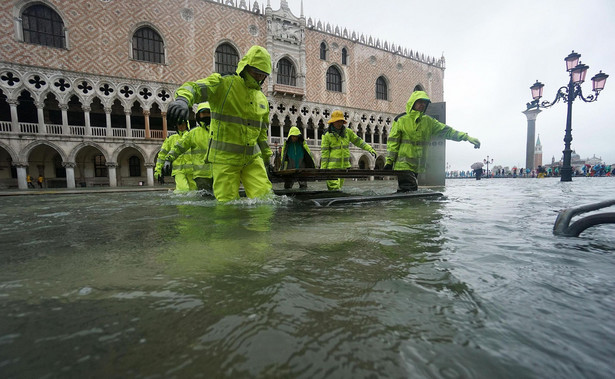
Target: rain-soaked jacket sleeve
(325,152)
(266,152)
(393,143)
(358,141)
(201,90)
(185,143)
(446,131)
(162,155)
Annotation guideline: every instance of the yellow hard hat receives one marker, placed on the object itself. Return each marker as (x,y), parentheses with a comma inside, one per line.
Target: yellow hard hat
(336,116)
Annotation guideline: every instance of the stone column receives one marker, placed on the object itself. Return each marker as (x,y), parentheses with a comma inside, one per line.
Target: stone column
(86,115)
(111,166)
(41,116)
(64,109)
(282,132)
(531,115)
(108,121)
(146,115)
(14,118)
(70,174)
(22,182)
(150,174)
(164,125)
(128,128)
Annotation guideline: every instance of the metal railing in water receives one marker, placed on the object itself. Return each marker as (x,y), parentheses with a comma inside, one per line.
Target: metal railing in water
(563,227)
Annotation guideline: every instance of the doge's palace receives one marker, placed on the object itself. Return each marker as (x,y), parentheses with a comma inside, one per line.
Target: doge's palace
(85,85)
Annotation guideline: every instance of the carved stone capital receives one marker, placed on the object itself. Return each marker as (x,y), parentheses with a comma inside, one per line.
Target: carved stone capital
(69,164)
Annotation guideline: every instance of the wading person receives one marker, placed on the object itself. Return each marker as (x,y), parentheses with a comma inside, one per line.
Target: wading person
(181,169)
(335,147)
(410,134)
(296,154)
(238,148)
(194,145)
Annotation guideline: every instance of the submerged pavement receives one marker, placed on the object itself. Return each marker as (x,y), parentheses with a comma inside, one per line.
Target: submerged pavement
(64,191)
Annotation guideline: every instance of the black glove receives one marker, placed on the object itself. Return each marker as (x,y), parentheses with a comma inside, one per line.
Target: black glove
(388,166)
(178,110)
(167,169)
(374,154)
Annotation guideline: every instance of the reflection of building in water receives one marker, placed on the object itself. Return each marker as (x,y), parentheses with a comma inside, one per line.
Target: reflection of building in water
(84,86)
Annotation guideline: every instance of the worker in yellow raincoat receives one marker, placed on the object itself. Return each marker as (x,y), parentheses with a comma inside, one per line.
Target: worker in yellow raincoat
(335,147)
(238,148)
(410,135)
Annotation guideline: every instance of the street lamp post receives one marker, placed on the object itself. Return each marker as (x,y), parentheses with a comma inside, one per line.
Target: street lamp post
(568,94)
(486,161)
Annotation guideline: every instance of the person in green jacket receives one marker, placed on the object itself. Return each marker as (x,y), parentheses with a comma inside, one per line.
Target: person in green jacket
(335,147)
(296,154)
(238,148)
(409,137)
(182,168)
(195,143)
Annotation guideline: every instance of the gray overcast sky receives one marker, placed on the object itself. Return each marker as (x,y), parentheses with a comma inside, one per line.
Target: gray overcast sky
(495,50)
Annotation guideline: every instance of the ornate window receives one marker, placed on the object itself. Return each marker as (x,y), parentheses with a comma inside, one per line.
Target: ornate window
(43,26)
(323,51)
(334,79)
(227,59)
(286,73)
(382,92)
(147,45)
(134,165)
(344,56)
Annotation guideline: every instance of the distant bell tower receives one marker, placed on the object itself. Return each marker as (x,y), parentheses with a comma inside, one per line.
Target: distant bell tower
(538,153)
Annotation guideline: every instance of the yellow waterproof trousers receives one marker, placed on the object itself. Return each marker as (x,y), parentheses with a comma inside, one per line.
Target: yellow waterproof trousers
(335,184)
(184,182)
(253,176)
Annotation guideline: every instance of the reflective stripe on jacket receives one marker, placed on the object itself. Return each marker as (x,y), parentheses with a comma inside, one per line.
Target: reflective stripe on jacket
(335,149)
(412,132)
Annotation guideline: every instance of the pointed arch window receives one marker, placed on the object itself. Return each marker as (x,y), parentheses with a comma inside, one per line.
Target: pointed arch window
(344,56)
(286,73)
(382,92)
(147,45)
(43,26)
(227,59)
(323,51)
(334,79)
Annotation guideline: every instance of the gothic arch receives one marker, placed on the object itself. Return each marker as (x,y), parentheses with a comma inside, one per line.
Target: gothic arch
(73,154)
(25,153)
(14,156)
(123,146)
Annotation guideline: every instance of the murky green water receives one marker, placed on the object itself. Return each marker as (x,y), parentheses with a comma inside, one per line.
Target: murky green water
(157,285)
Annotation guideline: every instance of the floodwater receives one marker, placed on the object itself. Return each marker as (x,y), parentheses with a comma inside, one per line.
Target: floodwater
(159,285)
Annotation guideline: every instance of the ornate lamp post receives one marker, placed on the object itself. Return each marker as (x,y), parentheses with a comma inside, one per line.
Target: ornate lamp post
(568,94)
(487,161)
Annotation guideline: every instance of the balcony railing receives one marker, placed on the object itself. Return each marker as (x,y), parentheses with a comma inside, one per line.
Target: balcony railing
(6,128)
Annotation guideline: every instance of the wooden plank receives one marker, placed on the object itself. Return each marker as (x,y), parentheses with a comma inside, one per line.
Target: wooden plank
(311,174)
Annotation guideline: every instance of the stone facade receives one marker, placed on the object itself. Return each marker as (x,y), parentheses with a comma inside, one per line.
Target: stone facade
(61,108)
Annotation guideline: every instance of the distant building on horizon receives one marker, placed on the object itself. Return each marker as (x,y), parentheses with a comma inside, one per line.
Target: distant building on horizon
(537,154)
